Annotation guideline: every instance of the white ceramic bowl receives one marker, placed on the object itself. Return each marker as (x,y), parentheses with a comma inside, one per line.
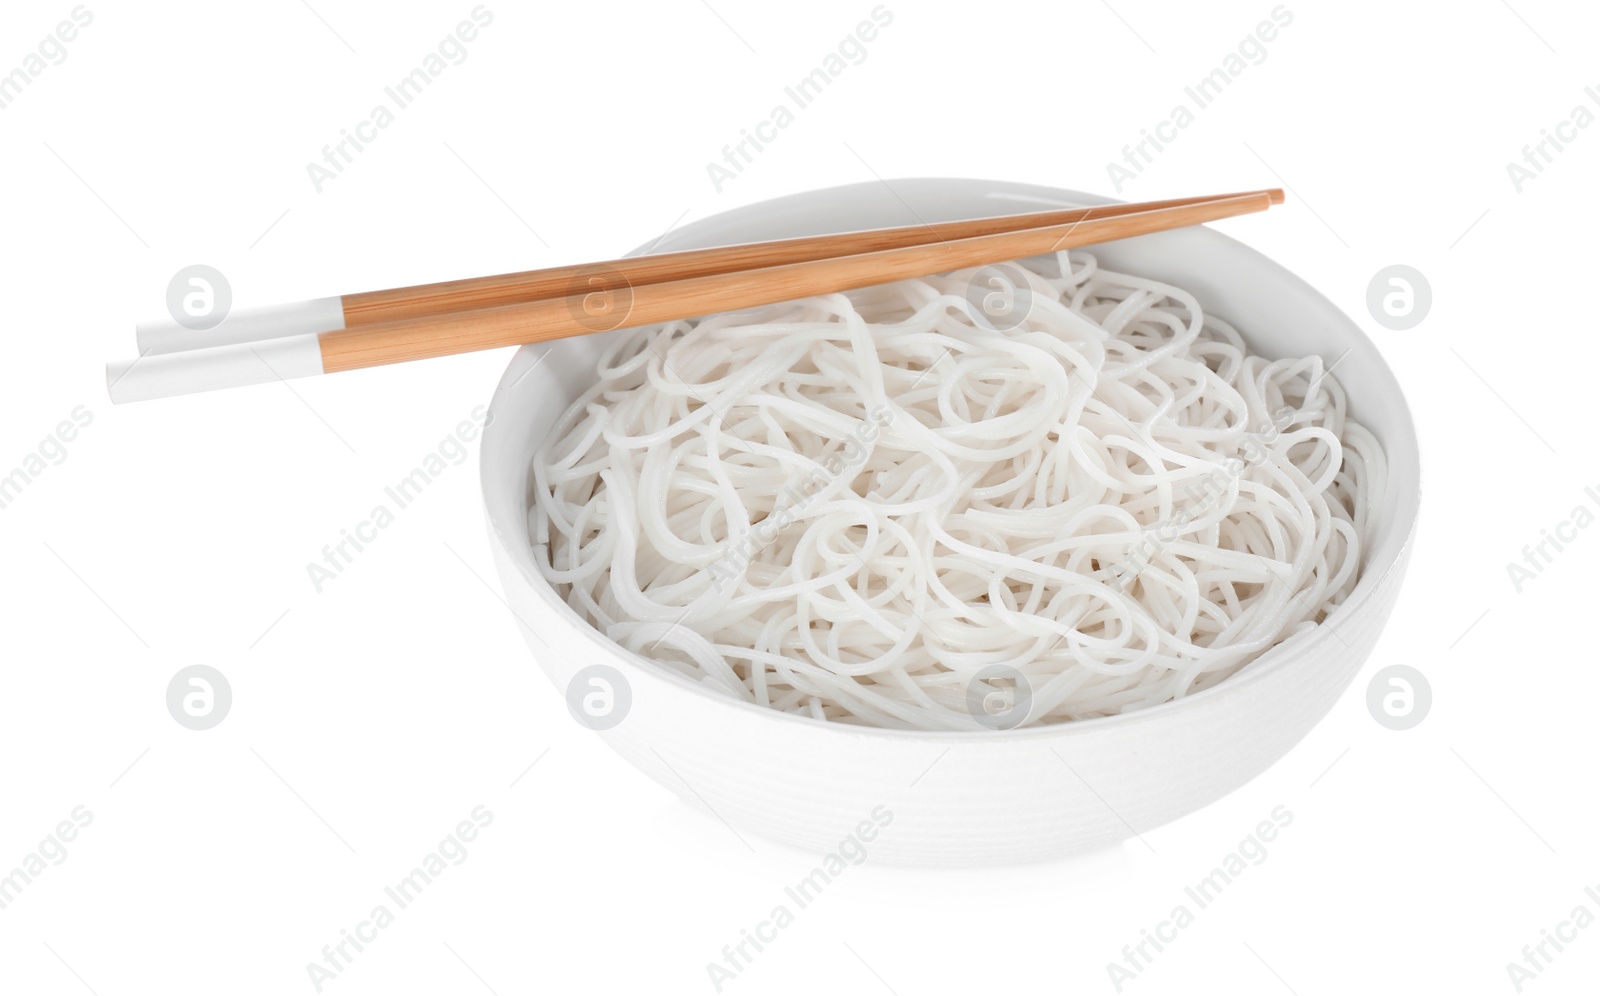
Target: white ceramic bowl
(981,797)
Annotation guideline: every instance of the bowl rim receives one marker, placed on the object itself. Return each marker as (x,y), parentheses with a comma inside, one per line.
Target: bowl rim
(1275,658)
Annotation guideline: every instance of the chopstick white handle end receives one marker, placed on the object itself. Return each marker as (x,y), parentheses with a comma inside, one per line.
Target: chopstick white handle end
(325,314)
(196,370)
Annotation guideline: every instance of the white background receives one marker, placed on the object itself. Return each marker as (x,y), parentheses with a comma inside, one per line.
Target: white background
(370,719)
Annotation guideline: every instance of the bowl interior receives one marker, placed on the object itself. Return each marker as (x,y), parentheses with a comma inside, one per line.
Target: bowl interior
(1277,313)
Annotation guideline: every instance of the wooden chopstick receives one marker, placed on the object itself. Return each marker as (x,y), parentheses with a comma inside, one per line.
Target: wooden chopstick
(446,297)
(617,303)
(540,321)
(374,307)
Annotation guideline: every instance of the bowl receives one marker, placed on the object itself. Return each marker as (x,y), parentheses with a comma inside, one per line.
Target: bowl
(964,798)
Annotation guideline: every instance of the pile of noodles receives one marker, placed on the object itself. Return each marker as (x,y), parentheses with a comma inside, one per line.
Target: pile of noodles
(998,497)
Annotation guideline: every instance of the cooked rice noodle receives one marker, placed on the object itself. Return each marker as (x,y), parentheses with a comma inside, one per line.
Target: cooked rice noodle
(891,506)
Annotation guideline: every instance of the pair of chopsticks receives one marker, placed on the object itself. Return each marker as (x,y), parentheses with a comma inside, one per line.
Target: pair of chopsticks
(413,323)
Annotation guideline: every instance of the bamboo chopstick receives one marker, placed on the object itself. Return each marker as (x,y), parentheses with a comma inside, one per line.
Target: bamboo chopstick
(402,303)
(616,303)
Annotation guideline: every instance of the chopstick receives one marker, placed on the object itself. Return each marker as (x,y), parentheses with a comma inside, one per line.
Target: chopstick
(615,303)
(402,303)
